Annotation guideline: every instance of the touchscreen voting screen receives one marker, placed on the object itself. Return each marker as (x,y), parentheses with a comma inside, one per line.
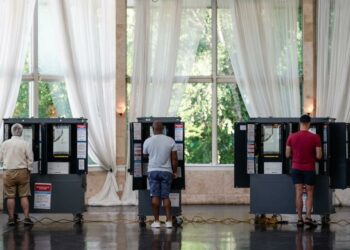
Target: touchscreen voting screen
(271,138)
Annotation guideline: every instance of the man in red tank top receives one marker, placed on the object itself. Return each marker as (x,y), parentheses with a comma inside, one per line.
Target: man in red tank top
(304,148)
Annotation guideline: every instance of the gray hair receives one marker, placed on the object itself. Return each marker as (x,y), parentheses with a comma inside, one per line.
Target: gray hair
(16,129)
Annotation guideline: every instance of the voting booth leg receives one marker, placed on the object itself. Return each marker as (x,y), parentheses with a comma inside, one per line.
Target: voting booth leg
(145,207)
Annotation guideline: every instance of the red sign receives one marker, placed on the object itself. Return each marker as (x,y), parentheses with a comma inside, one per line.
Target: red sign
(43,187)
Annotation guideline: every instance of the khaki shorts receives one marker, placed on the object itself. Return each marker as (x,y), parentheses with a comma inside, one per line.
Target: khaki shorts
(16,179)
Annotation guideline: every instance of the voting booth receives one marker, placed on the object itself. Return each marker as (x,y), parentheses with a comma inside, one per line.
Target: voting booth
(260,163)
(139,132)
(58,179)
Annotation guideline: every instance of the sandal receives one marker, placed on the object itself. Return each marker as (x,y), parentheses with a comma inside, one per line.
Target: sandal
(310,222)
(300,223)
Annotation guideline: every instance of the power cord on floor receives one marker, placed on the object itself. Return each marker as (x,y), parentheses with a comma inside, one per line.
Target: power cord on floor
(258,220)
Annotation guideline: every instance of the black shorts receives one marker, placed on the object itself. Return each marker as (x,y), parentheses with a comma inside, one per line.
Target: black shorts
(303,177)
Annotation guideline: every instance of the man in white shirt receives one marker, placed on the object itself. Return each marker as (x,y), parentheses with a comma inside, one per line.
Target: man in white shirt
(162,167)
(17,158)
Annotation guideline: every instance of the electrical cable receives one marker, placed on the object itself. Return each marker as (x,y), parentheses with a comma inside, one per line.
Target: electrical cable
(197,219)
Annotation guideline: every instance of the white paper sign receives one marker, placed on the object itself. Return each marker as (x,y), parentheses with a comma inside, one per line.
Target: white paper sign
(81,164)
(272,167)
(180,151)
(179,130)
(137,131)
(81,150)
(81,132)
(27,135)
(35,167)
(174,199)
(58,167)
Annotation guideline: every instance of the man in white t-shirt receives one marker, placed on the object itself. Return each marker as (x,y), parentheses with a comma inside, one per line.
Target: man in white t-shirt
(162,167)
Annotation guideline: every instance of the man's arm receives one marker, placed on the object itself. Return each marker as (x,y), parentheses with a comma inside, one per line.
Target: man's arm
(30,157)
(174,162)
(288,151)
(318,153)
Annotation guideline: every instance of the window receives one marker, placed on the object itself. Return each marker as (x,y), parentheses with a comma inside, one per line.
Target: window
(43,92)
(211,102)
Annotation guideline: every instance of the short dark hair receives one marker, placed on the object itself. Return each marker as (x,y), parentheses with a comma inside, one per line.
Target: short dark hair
(305,119)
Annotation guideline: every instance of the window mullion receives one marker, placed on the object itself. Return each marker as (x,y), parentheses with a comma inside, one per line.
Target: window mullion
(214,87)
(34,85)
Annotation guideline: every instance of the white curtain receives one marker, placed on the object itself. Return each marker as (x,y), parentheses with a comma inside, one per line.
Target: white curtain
(167,34)
(333,66)
(15,26)
(261,37)
(333,59)
(87,35)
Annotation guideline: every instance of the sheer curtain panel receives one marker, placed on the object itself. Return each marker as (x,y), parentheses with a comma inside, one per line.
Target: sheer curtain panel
(15,26)
(261,37)
(87,31)
(333,66)
(333,59)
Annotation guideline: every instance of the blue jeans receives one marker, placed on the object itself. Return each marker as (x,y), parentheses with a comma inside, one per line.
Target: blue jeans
(160,183)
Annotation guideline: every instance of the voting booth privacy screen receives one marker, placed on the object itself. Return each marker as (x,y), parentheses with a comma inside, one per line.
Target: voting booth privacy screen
(58,179)
(260,149)
(260,163)
(139,132)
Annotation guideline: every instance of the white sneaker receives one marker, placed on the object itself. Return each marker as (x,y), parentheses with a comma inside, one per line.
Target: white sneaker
(155,224)
(169,224)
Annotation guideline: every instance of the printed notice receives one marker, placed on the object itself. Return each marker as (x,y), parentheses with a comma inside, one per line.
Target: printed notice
(137,152)
(81,164)
(175,199)
(81,150)
(179,131)
(81,132)
(251,133)
(137,131)
(243,127)
(35,167)
(250,166)
(58,167)
(27,135)
(180,151)
(42,195)
(6,136)
(137,169)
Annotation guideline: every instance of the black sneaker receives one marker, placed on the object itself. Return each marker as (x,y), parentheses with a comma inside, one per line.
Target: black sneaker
(300,223)
(28,221)
(11,222)
(310,222)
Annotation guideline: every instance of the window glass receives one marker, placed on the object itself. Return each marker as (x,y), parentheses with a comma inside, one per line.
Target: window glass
(28,66)
(22,104)
(195,111)
(53,100)
(203,60)
(224,66)
(48,46)
(231,109)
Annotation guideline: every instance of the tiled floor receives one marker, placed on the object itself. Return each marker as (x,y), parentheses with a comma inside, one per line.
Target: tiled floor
(117,228)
